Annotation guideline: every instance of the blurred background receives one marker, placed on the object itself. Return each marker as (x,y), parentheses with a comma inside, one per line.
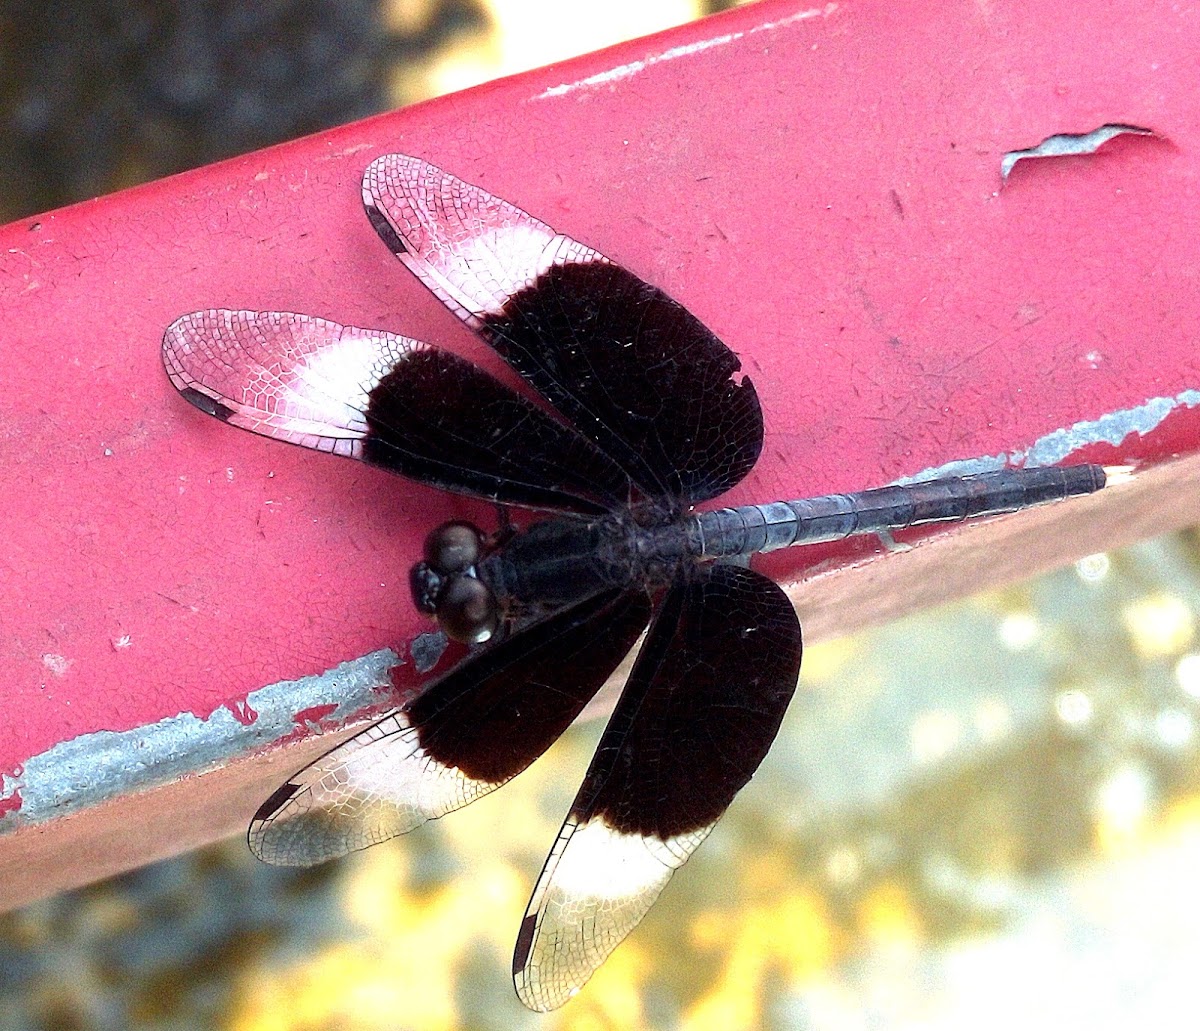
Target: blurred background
(985,816)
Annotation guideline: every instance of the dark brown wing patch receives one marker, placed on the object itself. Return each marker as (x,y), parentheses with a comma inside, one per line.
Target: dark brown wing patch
(469,732)
(698,714)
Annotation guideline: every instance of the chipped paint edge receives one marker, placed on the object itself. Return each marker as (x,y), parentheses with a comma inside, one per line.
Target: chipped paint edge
(98,767)
(632,68)
(1052,448)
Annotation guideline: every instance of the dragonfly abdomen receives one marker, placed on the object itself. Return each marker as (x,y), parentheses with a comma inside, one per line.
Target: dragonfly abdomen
(757,528)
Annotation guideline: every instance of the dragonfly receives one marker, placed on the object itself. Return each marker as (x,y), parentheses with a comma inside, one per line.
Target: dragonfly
(626,413)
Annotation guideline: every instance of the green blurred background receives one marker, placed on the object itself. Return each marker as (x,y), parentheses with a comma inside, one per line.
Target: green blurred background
(985,816)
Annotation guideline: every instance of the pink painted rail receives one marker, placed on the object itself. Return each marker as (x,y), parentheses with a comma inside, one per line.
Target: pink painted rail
(821,186)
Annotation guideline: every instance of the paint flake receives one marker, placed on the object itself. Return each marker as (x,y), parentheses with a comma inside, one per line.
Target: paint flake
(1068,144)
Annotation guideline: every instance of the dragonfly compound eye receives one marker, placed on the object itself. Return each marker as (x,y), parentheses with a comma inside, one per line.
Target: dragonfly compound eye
(466,610)
(452,547)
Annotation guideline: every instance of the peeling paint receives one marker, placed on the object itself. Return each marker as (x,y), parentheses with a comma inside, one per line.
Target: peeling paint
(315,714)
(10,793)
(625,71)
(1068,144)
(427,649)
(1060,444)
(93,768)
(243,711)
(1109,429)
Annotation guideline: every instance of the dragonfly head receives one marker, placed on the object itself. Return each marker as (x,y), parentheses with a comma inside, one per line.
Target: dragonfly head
(445,584)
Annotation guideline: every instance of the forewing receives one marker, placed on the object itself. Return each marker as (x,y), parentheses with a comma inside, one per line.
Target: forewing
(635,371)
(698,714)
(389,401)
(463,736)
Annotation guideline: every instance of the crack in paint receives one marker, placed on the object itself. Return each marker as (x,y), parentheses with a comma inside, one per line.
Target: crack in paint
(93,768)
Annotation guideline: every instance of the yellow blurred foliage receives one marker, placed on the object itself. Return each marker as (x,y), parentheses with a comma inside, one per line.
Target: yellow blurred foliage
(889,918)
(789,933)
(406,965)
(1159,625)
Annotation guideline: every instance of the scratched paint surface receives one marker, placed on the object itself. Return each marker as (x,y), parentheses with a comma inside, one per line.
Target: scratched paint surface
(845,231)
